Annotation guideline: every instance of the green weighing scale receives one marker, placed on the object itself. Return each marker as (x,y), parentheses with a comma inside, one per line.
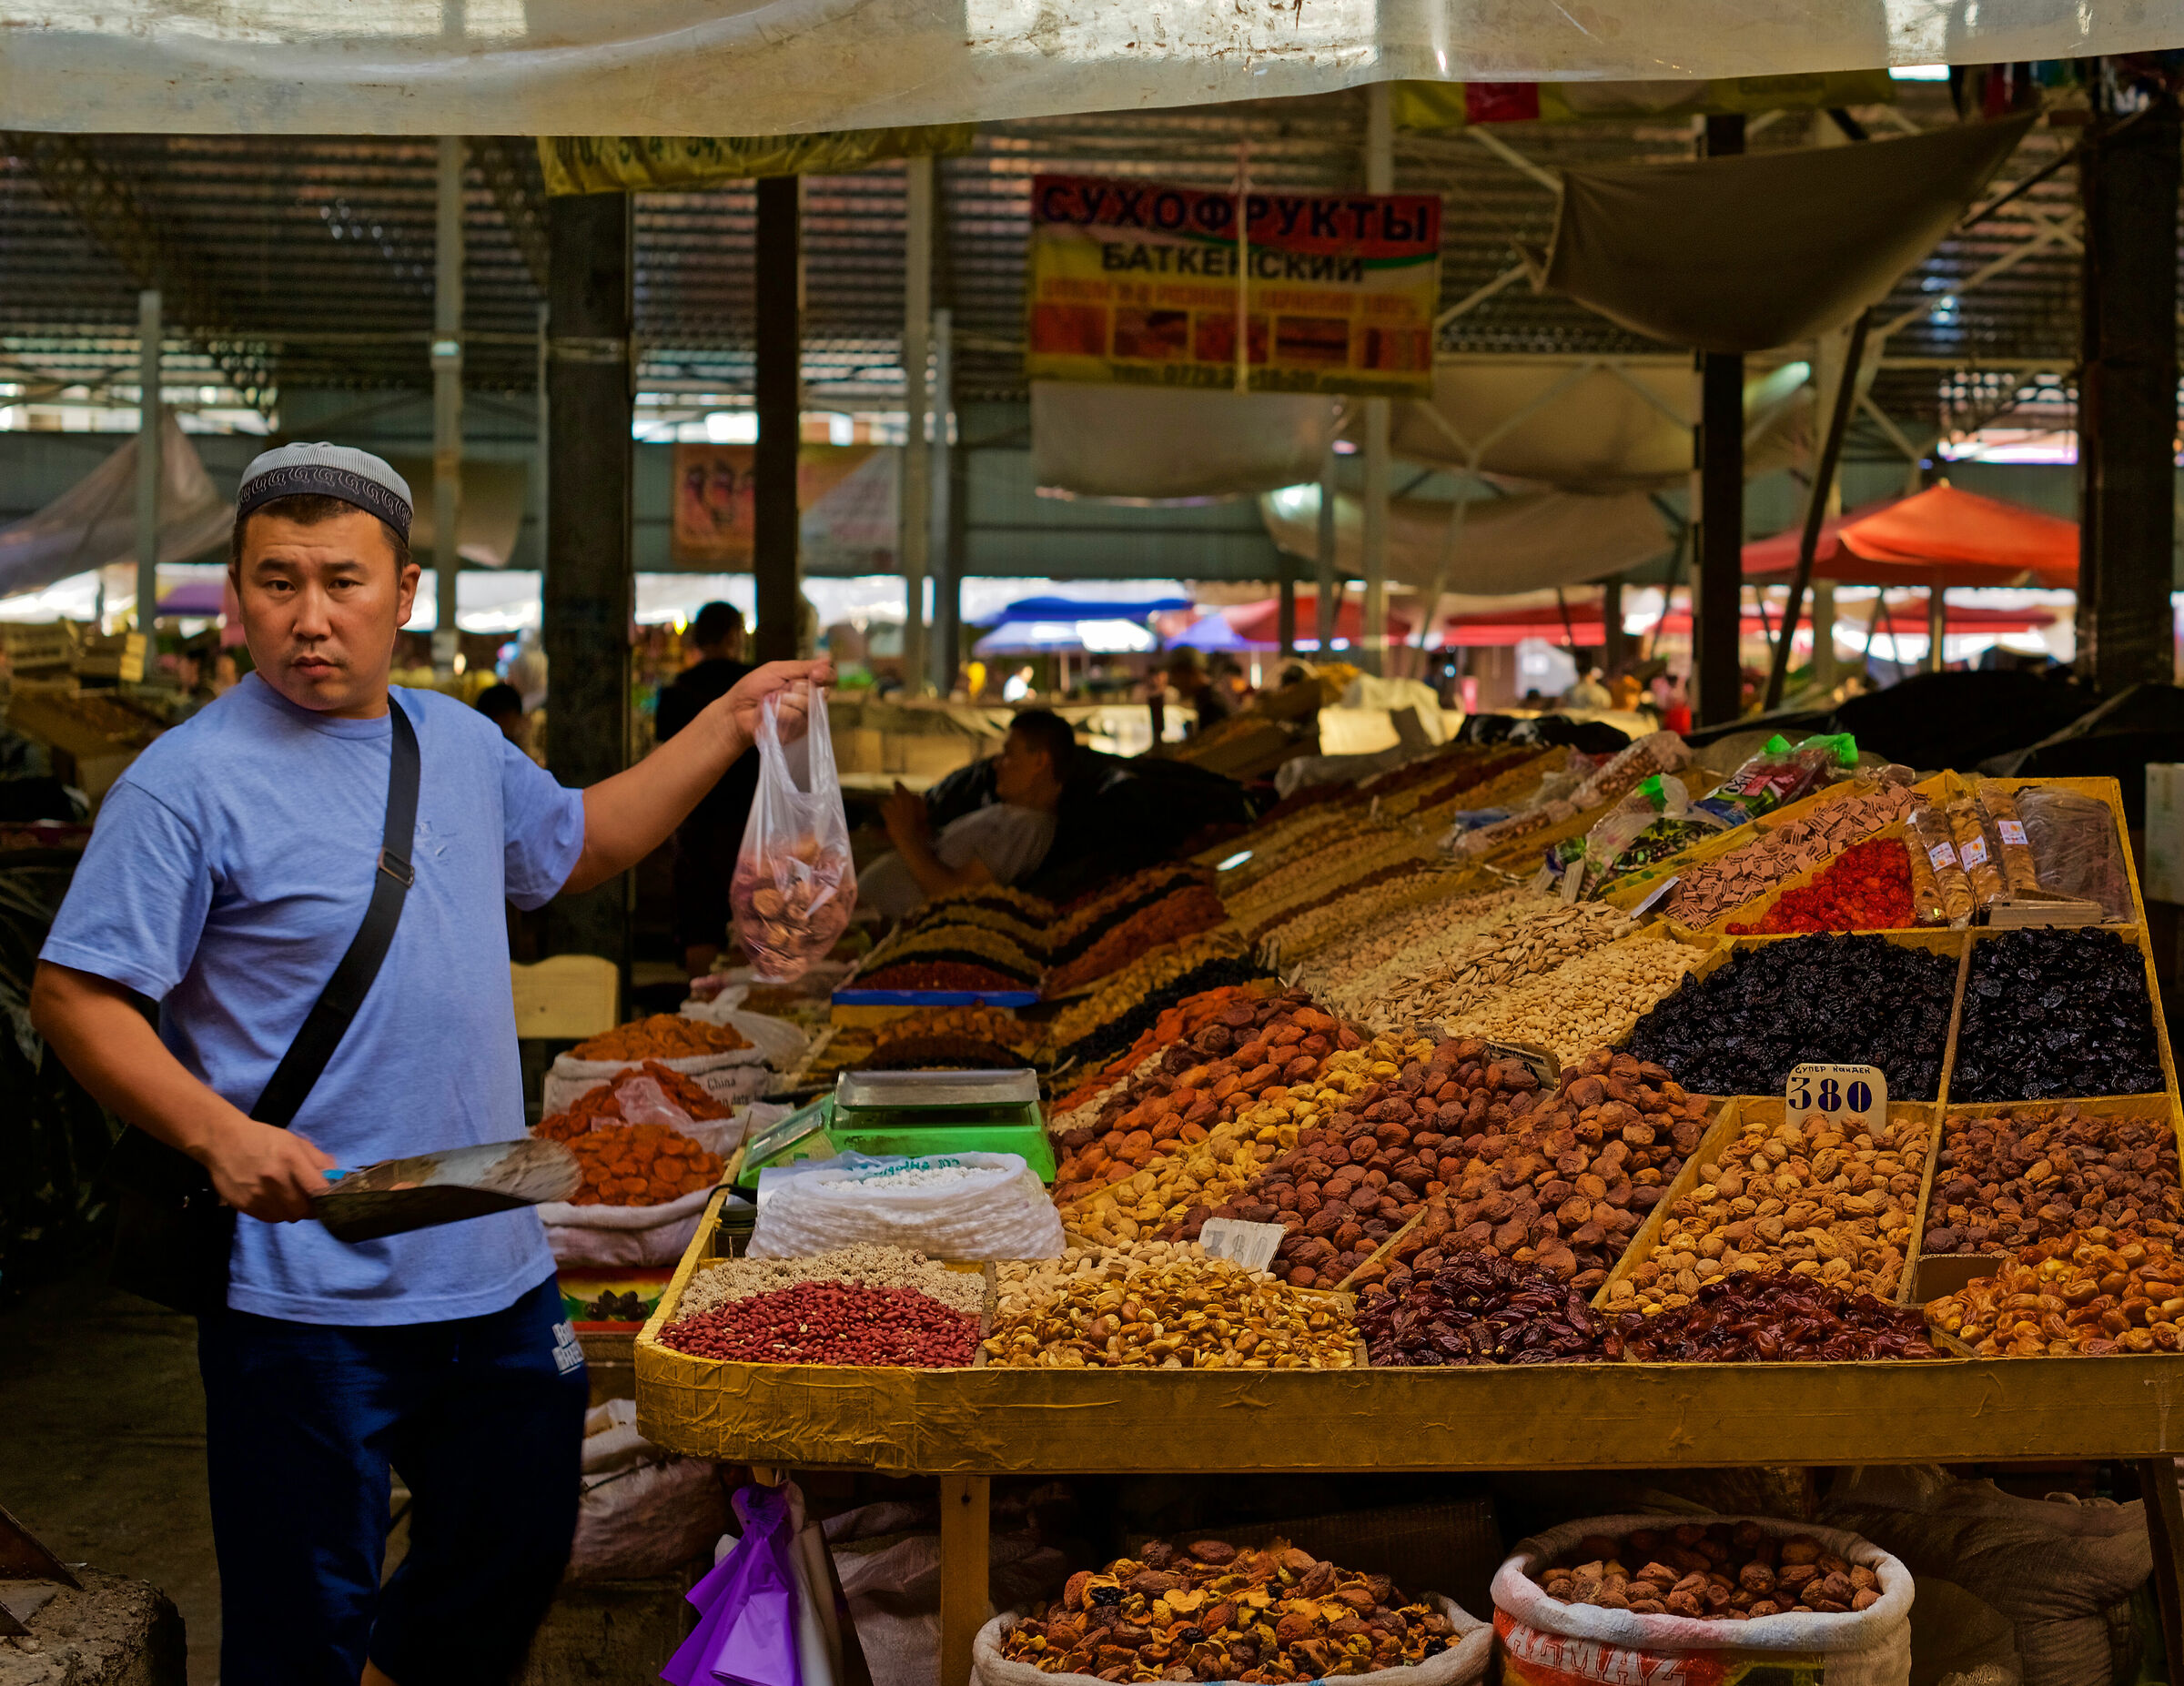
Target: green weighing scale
(912,1113)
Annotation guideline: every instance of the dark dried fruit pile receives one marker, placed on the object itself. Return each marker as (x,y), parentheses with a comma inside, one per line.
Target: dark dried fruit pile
(1211,1612)
(1480,1310)
(1104,1041)
(1710,1571)
(1860,1000)
(2050,1012)
(2040,1173)
(1754,1318)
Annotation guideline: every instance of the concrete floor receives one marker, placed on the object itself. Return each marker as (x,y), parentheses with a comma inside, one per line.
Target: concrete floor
(103,1452)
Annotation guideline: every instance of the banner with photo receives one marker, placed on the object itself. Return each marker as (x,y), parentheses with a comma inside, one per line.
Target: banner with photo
(846,494)
(1134,282)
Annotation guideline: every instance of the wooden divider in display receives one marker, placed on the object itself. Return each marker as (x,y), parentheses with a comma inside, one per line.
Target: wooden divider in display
(969,1425)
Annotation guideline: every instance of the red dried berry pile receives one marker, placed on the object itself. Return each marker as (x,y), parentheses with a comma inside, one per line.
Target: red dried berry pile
(831,1323)
(1868,888)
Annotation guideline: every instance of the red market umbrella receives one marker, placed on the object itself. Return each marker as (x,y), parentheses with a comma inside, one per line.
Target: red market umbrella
(1259,624)
(1941,536)
(1588,631)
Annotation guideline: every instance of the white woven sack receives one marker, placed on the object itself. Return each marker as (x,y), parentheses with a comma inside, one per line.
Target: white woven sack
(1001,1211)
(623,1235)
(1546,1640)
(1462,1664)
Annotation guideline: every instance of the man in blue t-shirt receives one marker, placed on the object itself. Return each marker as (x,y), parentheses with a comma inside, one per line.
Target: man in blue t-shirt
(228,871)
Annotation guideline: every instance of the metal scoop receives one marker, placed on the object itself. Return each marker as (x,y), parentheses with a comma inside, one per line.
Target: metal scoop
(416,1193)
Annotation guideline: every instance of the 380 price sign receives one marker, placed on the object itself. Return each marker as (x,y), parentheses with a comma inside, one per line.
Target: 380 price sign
(1843,1094)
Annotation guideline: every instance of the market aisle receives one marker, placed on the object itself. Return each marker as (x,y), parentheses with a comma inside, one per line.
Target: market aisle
(104,1456)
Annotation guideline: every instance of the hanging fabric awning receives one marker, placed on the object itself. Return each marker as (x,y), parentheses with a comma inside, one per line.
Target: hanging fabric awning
(92,524)
(779,67)
(1742,254)
(1152,445)
(1506,544)
(1939,536)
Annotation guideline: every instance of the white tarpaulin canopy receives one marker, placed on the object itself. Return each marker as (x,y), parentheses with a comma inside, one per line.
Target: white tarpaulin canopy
(773,67)
(1505,544)
(1150,443)
(1588,424)
(93,522)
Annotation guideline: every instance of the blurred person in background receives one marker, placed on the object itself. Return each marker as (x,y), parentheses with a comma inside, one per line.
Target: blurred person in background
(707,841)
(1188,677)
(504,705)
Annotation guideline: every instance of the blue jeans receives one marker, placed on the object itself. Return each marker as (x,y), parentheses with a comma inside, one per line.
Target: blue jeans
(483,1417)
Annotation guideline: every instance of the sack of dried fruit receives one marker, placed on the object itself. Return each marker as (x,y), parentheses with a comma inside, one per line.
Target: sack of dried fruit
(945,1206)
(718,1056)
(1211,1612)
(1638,1593)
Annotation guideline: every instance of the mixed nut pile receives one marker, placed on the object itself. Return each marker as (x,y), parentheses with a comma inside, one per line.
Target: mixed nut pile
(1190,1313)
(1208,1611)
(1710,1571)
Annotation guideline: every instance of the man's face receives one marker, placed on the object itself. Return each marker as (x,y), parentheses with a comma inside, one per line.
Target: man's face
(1019,769)
(320,606)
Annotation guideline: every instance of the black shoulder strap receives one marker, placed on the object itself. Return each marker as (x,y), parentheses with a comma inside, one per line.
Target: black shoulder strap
(345,991)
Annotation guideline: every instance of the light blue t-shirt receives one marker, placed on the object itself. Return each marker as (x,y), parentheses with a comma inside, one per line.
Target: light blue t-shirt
(229,870)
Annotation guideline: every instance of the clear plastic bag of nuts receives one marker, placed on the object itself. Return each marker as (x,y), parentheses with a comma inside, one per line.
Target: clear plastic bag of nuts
(794,887)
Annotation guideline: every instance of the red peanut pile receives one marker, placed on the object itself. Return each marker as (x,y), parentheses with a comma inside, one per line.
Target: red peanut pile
(830,1323)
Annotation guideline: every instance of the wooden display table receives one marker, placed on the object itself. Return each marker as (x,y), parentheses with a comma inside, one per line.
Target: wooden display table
(967,1426)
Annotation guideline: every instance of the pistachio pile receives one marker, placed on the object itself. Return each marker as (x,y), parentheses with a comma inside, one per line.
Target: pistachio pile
(1192,1314)
(1208,1611)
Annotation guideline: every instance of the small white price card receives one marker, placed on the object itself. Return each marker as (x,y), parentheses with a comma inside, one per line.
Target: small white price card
(1252,1246)
(1848,1096)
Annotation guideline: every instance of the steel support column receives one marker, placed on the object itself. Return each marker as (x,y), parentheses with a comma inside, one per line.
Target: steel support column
(148,336)
(1717,603)
(915,499)
(778,383)
(447,402)
(2127,407)
(1380,177)
(590,586)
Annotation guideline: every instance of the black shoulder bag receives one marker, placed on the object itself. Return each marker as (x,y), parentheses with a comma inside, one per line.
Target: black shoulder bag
(175,1236)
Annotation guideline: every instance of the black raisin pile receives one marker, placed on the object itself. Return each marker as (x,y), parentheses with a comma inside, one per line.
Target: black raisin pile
(1852,1000)
(2050,1012)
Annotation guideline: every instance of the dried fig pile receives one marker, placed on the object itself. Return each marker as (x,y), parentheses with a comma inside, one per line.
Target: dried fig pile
(2051,1012)
(1857,1000)
(1211,1612)
(2042,1172)
(1714,1571)
(1565,1179)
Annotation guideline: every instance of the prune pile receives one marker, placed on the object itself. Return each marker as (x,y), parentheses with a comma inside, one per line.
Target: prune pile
(1750,1317)
(1859,1000)
(2050,1012)
(1478,1308)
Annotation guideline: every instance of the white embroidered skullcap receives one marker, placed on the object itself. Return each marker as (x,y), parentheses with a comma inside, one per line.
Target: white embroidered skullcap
(329,471)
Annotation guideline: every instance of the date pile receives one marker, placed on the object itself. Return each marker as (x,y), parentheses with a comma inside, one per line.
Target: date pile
(1751,1318)
(1796,1196)
(1208,1611)
(1477,1308)
(2096,1293)
(830,1323)
(2038,1173)
(1562,1179)
(1860,1000)
(1189,1313)
(1710,1572)
(2052,1013)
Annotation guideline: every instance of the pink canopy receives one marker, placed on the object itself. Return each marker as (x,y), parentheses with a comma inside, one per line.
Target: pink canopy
(1937,537)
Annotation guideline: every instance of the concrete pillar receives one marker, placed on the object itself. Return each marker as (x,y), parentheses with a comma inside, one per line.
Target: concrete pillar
(2127,407)
(590,584)
(778,389)
(949,509)
(915,495)
(149,331)
(447,400)
(1380,177)
(1327,598)
(1718,601)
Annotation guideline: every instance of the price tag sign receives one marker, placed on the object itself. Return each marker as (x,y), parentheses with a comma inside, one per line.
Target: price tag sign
(1850,1097)
(1249,1245)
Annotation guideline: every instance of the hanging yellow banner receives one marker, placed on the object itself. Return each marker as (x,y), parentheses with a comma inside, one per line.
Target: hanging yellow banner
(634,163)
(1134,282)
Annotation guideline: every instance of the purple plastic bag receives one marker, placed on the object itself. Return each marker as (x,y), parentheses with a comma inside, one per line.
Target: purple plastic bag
(746,1633)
